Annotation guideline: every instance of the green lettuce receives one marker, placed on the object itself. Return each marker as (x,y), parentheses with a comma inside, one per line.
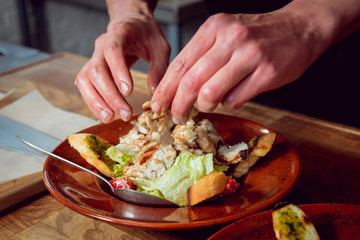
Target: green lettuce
(121,158)
(220,168)
(146,186)
(174,183)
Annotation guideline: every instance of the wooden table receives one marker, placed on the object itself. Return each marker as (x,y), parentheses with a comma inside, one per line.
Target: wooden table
(330,155)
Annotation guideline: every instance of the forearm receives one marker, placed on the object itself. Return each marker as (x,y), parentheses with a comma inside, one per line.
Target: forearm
(117,7)
(330,20)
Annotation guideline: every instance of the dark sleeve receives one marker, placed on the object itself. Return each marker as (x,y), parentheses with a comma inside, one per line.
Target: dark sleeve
(243,6)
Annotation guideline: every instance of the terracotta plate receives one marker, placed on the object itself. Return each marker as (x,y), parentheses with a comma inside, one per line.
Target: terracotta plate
(268,182)
(332,221)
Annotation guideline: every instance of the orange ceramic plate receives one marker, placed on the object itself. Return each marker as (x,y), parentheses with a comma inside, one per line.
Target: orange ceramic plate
(332,221)
(269,181)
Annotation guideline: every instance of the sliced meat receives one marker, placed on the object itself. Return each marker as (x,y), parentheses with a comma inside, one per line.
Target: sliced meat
(155,126)
(152,162)
(227,155)
(196,138)
(133,140)
(185,136)
(211,131)
(204,141)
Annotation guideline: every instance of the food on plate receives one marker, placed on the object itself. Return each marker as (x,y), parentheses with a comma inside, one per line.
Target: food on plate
(122,183)
(259,146)
(92,149)
(207,187)
(291,223)
(186,164)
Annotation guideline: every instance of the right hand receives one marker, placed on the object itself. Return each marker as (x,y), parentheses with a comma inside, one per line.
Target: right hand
(132,33)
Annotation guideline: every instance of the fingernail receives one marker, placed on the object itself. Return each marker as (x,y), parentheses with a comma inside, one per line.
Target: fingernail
(175,120)
(155,107)
(152,89)
(124,114)
(178,121)
(124,87)
(228,106)
(206,107)
(104,115)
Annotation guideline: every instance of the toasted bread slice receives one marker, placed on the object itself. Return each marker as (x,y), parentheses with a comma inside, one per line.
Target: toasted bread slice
(258,147)
(209,186)
(290,223)
(92,149)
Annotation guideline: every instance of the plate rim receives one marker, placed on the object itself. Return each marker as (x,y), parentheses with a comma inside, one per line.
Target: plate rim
(174,225)
(304,207)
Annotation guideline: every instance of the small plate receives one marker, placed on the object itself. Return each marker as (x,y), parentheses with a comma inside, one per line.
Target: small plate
(332,222)
(270,180)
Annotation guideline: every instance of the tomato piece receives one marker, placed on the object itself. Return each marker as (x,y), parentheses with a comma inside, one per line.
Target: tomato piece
(122,183)
(231,186)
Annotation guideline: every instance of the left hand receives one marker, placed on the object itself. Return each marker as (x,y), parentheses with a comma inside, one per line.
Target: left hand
(105,80)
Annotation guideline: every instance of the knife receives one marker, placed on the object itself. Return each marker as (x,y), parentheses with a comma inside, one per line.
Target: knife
(10,128)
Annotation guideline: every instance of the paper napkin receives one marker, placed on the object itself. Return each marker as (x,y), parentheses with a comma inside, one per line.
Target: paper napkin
(35,111)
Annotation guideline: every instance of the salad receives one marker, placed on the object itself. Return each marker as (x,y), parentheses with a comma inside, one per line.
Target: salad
(186,164)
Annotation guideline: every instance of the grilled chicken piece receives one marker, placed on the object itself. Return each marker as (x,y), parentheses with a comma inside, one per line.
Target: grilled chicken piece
(211,131)
(133,140)
(152,161)
(202,137)
(184,136)
(228,155)
(258,148)
(149,126)
(155,126)
(204,141)
(208,139)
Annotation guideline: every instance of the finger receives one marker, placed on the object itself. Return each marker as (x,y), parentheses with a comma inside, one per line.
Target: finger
(250,87)
(195,49)
(115,56)
(99,75)
(93,99)
(242,64)
(195,78)
(159,61)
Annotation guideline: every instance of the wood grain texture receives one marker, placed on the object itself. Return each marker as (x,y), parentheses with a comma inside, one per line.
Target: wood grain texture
(330,155)
(66,225)
(20,189)
(28,213)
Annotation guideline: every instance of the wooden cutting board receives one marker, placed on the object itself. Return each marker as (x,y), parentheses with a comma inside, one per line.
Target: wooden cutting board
(54,77)
(20,189)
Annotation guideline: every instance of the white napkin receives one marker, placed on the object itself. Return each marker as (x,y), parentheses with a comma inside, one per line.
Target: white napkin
(33,110)
(4,95)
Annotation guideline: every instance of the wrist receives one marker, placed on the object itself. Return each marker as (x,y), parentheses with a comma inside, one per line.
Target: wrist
(315,24)
(119,8)
(328,20)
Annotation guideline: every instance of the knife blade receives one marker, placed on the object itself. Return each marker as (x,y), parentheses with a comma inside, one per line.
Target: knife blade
(10,128)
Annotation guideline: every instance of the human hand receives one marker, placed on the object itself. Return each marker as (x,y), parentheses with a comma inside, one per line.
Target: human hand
(105,79)
(233,58)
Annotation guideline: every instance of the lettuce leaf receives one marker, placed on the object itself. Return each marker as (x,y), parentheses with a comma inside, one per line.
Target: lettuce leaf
(220,168)
(174,183)
(126,150)
(145,185)
(121,158)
